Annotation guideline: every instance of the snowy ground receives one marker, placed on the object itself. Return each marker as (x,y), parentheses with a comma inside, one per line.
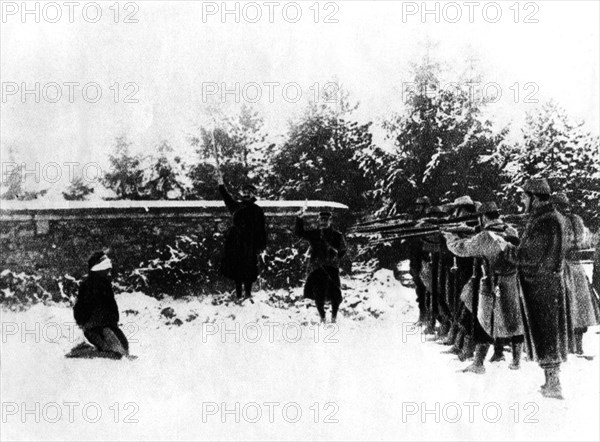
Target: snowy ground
(373,378)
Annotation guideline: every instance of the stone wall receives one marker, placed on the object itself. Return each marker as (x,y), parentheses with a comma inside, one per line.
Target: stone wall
(53,239)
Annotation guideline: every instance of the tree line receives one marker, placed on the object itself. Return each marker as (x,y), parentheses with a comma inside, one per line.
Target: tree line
(442,147)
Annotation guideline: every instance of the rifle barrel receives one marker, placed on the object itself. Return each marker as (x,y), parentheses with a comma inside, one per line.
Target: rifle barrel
(380,228)
(381,220)
(405,236)
(410,226)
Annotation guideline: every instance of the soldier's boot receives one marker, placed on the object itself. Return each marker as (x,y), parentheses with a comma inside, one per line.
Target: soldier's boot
(578,343)
(451,336)
(498,351)
(458,342)
(422,317)
(477,365)
(468,349)
(553,388)
(430,329)
(443,331)
(545,380)
(517,350)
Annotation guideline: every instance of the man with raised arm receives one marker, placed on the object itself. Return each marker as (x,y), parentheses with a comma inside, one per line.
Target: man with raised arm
(244,240)
(327,248)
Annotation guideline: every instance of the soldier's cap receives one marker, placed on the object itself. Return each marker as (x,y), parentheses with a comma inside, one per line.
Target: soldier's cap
(435,211)
(423,201)
(560,199)
(463,201)
(537,186)
(325,215)
(249,187)
(488,207)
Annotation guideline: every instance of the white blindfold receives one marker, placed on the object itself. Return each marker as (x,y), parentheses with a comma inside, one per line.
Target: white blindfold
(105,264)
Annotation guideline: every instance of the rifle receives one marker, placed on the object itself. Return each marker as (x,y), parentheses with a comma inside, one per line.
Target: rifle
(515,218)
(410,226)
(382,221)
(459,229)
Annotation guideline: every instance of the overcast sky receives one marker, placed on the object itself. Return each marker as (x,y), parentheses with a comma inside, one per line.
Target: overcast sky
(173,50)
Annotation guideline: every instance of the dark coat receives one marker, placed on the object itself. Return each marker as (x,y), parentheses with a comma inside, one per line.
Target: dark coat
(499,303)
(244,240)
(96,305)
(596,277)
(327,248)
(582,309)
(540,258)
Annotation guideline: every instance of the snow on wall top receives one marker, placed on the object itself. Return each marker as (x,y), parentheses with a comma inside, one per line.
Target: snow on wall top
(58,209)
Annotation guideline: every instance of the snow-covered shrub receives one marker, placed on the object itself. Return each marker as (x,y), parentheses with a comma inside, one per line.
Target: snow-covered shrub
(20,290)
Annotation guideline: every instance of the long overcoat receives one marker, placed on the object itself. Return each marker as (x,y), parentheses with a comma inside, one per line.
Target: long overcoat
(95,305)
(540,258)
(579,291)
(244,240)
(327,248)
(499,308)
(596,272)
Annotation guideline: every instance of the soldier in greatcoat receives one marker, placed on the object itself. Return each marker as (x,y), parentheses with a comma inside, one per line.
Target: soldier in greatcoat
(540,258)
(415,257)
(596,271)
(457,273)
(327,248)
(498,315)
(583,312)
(429,274)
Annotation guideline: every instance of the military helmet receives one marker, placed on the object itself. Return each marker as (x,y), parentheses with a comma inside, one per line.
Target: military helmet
(463,201)
(537,186)
(560,199)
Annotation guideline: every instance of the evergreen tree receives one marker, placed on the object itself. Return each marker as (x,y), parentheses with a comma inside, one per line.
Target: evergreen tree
(240,145)
(442,148)
(126,175)
(166,175)
(78,190)
(556,148)
(14,181)
(320,157)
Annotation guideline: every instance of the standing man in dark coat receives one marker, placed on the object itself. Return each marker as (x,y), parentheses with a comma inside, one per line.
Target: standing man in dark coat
(96,310)
(415,256)
(457,271)
(244,240)
(327,248)
(579,291)
(596,273)
(429,274)
(540,258)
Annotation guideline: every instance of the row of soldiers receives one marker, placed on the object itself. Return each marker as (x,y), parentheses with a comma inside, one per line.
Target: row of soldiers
(499,286)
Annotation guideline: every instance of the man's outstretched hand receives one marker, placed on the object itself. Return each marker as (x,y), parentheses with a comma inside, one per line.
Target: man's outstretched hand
(302,211)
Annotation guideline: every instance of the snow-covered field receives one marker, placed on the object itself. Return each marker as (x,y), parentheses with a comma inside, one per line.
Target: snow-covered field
(213,370)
